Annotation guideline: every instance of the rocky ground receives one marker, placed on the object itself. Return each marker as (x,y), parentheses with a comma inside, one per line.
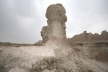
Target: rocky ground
(46,58)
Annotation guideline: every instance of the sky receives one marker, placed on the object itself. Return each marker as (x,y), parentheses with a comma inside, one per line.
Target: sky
(21,20)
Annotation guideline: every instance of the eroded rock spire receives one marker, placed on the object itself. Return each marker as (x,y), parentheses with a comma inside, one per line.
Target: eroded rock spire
(56,19)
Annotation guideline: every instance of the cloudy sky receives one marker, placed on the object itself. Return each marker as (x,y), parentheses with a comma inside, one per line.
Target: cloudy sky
(21,20)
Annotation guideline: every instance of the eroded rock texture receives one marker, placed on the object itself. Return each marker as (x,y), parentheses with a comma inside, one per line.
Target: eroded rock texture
(44,33)
(56,21)
(56,55)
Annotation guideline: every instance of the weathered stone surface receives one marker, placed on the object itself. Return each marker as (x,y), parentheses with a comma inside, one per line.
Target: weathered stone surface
(72,58)
(44,33)
(90,37)
(56,12)
(56,21)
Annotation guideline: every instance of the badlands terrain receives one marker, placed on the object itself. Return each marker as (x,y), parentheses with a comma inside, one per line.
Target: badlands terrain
(85,52)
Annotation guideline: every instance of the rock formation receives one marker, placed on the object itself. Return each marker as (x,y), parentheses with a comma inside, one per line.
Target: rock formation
(44,33)
(56,55)
(56,19)
(93,45)
(89,37)
(72,60)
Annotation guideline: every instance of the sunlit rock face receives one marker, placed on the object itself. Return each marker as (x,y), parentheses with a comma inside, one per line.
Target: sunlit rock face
(60,55)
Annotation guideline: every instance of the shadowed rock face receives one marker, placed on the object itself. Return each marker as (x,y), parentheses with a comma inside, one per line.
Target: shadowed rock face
(44,33)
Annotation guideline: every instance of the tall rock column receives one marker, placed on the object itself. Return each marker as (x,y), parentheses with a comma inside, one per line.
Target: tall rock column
(56,22)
